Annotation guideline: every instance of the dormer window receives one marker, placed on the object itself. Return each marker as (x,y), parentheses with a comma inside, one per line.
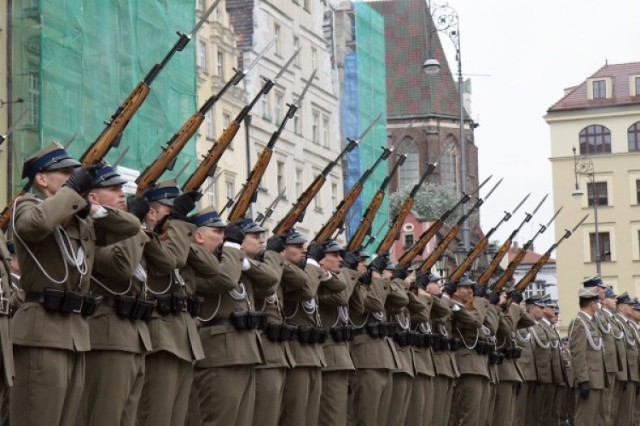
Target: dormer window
(599,89)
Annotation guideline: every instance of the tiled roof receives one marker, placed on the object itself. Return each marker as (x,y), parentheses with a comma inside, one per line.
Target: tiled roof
(241,16)
(576,98)
(409,90)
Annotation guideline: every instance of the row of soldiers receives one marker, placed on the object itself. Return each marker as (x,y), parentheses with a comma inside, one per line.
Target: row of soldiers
(136,312)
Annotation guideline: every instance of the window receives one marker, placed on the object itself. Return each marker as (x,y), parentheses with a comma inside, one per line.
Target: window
(202,56)
(226,120)
(220,65)
(211,135)
(599,89)
(278,111)
(317,202)
(280,176)
(597,191)
(34,98)
(211,192)
(325,131)
(595,139)
(276,33)
(637,81)
(409,173)
(296,123)
(449,161)
(536,287)
(266,108)
(605,246)
(315,132)
(298,182)
(314,58)
(408,240)
(334,195)
(296,46)
(228,189)
(633,136)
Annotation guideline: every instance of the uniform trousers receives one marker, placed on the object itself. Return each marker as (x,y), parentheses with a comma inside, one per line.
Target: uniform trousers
(372,389)
(443,390)
(522,396)
(400,398)
(5,397)
(421,410)
(112,388)
(542,408)
(193,412)
(301,401)
(47,387)
(226,395)
(467,399)
(589,411)
(487,404)
(269,394)
(608,400)
(165,395)
(625,394)
(333,399)
(505,404)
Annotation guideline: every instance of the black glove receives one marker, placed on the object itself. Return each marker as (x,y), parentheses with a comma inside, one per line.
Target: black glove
(518,388)
(494,298)
(276,243)
(400,272)
(160,225)
(450,288)
(81,179)
(637,390)
(82,214)
(584,390)
(316,251)
(365,279)
(350,259)
(480,291)
(517,298)
(234,233)
(183,204)
(138,207)
(379,263)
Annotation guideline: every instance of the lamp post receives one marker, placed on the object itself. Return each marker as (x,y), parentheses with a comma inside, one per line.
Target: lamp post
(584,166)
(445,19)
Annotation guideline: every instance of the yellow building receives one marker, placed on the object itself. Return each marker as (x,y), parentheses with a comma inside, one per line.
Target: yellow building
(217,55)
(600,118)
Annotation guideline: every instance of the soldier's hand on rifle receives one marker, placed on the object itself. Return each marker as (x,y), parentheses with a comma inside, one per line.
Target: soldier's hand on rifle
(81,179)
(584,390)
(276,243)
(350,259)
(183,204)
(494,298)
(517,298)
(316,251)
(400,272)
(379,263)
(234,233)
(365,279)
(450,288)
(481,291)
(138,206)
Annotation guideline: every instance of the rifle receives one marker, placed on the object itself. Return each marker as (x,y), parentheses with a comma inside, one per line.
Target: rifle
(13,125)
(394,230)
(167,158)
(111,134)
(296,213)
(432,230)
(478,248)
(207,167)
(341,211)
(249,190)
(502,251)
(261,218)
(506,276)
(364,228)
(530,275)
(120,157)
(453,232)
(372,238)
(5,216)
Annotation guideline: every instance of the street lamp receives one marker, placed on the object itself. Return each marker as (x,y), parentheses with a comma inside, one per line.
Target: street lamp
(445,19)
(460,253)
(584,166)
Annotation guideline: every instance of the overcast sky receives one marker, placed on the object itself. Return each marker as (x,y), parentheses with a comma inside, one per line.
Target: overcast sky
(532,51)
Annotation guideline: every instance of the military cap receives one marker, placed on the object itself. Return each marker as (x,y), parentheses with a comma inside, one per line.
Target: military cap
(332,246)
(106,177)
(164,192)
(293,237)
(535,300)
(608,292)
(249,226)
(207,217)
(636,306)
(624,299)
(364,255)
(51,157)
(390,266)
(423,280)
(594,282)
(465,281)
(588,293)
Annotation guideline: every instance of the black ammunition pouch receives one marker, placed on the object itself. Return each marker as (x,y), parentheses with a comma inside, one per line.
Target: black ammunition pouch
(389,328)
(342,333)
(304,334)
(163,304)
(422,340)
(178,303)
(319,335)
(437,342)
(52,299)
(402,338)
(517,352)
(455,344)
(124,305)
(279,332)
(71,302)
(143,309)
(493,358)
(373,329)
(90,304)
(414,338)
(249,320)
(194,305)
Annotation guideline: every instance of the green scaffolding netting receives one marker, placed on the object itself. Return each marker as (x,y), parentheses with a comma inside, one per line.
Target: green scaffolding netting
(75,61)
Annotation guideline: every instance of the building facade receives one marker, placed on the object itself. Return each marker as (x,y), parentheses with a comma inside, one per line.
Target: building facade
(600,119)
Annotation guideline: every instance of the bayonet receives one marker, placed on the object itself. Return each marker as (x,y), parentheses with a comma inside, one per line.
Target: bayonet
(306,87)
(529,216)
(553,218)
(70,140)
(484,182)
(120,157)
(519,205)
(260,56)
(13,125)
(182,169)
(262,217)
(579,223)
(369,127)
(203,19)
(289,62)
(493,189)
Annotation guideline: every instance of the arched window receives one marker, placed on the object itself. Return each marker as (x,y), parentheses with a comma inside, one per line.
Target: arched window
(449,163)
(633,136)
(409,172)
(595,139)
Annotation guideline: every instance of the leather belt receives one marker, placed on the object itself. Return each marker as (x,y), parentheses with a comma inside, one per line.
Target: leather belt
(216,321)
(33,297)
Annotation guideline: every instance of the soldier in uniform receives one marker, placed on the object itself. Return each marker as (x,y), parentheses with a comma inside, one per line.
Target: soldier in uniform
(362,264)
(174,338)
(303,386)
(6,381)
(541,409)
(115,365)
(230,328)
(557,364)
(54,234)
(525,395)
(587,359)
(626,392)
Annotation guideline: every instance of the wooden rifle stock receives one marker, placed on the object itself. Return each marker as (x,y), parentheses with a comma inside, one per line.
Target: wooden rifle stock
(506,275)
(367,221)
(298,209)
(437,252)
(251,187)
(5,217)
(464,266)
(394,230)
(531,273)
(502,251)
(419,245)
(338,216)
